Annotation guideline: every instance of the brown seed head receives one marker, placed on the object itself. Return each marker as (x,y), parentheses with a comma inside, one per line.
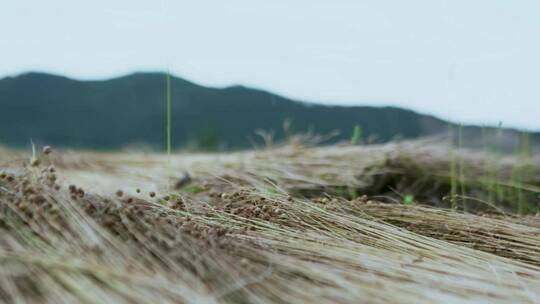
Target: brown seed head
(34,162)
(221,231)
(72,188)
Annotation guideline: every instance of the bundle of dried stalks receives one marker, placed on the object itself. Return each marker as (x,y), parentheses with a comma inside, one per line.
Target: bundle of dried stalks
(264,226)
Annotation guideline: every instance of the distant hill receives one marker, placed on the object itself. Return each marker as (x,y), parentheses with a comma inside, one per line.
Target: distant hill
(130,110)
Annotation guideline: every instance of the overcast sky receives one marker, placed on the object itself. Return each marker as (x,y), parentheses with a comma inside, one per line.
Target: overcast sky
(473,61)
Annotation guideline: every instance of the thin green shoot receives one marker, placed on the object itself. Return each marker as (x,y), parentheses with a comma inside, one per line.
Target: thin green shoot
(169,129)
(490,165)
(357,135)
(523,172)
(453,175)
(169,115)
(352,192)
(462,185)
(496,163)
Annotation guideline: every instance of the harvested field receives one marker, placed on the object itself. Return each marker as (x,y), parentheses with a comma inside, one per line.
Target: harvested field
(342,224)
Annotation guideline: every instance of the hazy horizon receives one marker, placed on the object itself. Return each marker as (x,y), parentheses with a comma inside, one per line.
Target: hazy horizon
(472,63)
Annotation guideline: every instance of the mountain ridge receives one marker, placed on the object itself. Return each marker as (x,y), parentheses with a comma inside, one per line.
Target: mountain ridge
(130,109)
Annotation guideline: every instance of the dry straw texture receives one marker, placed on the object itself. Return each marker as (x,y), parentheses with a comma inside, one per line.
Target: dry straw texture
(287,225)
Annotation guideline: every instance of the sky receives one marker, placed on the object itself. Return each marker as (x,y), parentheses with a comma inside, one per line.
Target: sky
(467,61)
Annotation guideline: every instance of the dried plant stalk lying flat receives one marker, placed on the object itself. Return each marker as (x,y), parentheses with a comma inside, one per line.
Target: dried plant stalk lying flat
(506,236)
(238,237)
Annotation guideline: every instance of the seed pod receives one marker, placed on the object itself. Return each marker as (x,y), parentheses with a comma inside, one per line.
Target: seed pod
(244,262)
(182,181)
(34,162)
(221,231)
(47,150)
(72,188)
(119,193)
(152,194)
